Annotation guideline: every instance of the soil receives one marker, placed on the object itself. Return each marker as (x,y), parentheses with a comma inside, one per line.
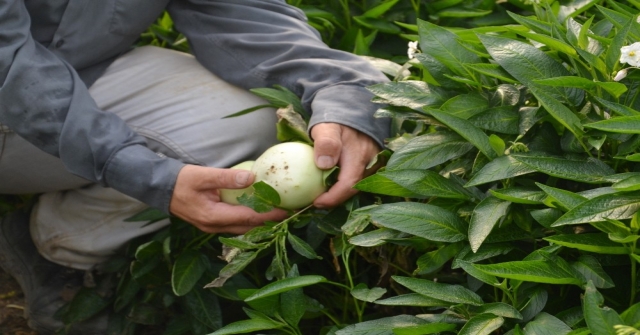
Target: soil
(11,306)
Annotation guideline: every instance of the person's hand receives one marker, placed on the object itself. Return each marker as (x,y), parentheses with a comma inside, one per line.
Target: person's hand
(196,200)
(351,150)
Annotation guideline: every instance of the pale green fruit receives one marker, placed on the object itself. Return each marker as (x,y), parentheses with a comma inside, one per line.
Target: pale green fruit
(291,170)
(230,196)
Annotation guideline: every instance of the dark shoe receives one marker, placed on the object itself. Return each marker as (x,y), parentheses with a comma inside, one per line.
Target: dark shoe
(46,286)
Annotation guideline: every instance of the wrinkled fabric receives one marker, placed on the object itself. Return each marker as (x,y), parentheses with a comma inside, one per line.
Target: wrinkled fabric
(250,43)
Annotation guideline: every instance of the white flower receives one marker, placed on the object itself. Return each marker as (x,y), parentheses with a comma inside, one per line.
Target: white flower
(631,54)
(413,49)
(620,75)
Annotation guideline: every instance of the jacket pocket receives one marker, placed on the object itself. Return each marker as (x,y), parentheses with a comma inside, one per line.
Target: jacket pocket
(132,17)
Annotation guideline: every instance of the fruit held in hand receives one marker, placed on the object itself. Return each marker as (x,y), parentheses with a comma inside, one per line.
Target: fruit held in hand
(230,196)
(291,170)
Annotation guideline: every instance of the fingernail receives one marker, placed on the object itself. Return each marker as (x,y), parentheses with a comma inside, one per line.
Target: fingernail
(242,177)
(325,162)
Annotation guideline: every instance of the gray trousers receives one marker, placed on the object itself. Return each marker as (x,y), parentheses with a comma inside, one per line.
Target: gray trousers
(178,106)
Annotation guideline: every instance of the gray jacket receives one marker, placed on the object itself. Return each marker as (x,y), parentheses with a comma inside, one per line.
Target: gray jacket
(52,50)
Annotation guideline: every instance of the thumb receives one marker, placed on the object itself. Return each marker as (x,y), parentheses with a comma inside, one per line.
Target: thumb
(327,144)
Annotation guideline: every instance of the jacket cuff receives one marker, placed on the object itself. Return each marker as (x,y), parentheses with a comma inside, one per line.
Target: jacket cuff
(142,174)
(351,106)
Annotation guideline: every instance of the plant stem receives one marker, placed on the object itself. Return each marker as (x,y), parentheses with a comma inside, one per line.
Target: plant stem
(634,275)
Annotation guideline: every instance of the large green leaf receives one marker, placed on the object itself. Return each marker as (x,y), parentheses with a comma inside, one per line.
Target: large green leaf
(546,324)
(423,220)
(599,319)
(592,270)
(408,93)
(247,326)
(486,251)
(559,111)
(482,324)
(590,170)
(374,238)
(520,195)
(484,217)
(539,271)
(444,46)
(502,119)
(615,89)
(501,168)
(561,198)
(617,206)
(362,292)
(412,299)
(465,106)
(426,151)
(452,293)
(285,285)
(382,326)
(434,260)
(618,124)
(467,130)
(379,184)
(528,63)
(594,242)
(203,306)
(427,183)
(499,309)
(187,270)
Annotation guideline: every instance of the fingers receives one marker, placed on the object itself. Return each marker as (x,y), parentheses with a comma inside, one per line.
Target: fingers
(327,144)
(196,200)
(353,149)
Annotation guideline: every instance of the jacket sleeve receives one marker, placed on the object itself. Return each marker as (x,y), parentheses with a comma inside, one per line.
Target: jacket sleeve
(44,101)
(259,43)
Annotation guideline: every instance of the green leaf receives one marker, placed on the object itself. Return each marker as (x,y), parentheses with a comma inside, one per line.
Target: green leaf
(502,119)
(445,47)
(237,264)
(615,206)
(482,324)
(281,97)
(412,299)
(247,326)
(631,183)
(501,168)
(293,303)
(561,198)
(546,324)
(409,93)
(594,242)
(520,195)
(484,217)
(618,124)
(532,23)
(534,271)
(426,151)
(472,271)
(380,184)
(591,170)
(374,238)
(527,64)
(492,70)
(302,247)
(631,315)
(465,106)
(592,270)
(362,292)
(427,183)
(381,326)
(559,111)
(616,107)
(551,42)
(536,302)
(423,220)
(431,328)
(434,260)
(187,270)
(285,285)
(467,130)
(486,251)
(599,319)
(498,309)
(615,89)
(380,9)
(262,200)
(291,126)
(451,293)
(377,24)
(203,306)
